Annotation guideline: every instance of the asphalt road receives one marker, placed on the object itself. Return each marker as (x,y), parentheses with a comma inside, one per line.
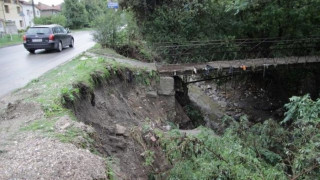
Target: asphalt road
(18,66)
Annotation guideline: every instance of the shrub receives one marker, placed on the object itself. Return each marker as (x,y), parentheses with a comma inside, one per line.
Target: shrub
(55,19)
(268,150)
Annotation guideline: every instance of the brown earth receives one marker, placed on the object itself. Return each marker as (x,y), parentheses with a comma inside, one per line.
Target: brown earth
(32,155)
(123,112)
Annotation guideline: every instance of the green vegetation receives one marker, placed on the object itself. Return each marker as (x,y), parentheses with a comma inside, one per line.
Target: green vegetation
(268,150)
(119,31)
(9,40)
(76,14)
(182,21)
(55,19)
(58,82)
(82,13)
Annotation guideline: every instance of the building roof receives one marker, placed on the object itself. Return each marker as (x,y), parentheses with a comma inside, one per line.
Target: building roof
(22,2)
(44,7)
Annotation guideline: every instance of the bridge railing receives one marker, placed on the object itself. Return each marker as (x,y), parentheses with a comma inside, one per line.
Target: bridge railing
(237,49)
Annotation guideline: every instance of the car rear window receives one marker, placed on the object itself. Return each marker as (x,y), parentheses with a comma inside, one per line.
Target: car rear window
(38,30)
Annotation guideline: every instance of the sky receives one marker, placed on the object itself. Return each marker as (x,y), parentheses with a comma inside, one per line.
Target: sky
(49,2)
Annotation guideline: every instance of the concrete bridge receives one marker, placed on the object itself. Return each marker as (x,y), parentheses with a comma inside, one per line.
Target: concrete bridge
(174,78)
(229,57)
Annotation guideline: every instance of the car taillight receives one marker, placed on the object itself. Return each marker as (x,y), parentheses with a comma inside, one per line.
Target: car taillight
(24,38)
(51,37)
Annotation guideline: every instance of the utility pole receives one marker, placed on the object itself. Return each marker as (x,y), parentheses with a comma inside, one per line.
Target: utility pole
(4,16)
(34,11)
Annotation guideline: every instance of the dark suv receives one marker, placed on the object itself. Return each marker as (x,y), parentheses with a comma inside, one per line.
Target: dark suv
(47,37)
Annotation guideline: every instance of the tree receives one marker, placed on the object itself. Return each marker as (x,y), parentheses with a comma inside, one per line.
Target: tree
(179,21)
(76,14)
(95,8)
(55,19)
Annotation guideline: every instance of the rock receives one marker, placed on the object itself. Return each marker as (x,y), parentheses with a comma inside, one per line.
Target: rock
(192,132)
(120,130)
(152,94)
(222,104)
(167,127)
(166,86)
(80,141)
(83,58)
(63,123)
(84,127)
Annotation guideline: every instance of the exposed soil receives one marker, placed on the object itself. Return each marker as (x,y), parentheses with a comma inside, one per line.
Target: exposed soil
(31,155)
(121,111)
(13,117)
(35,157)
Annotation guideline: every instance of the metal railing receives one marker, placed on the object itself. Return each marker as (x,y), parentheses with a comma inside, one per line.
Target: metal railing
(237,49)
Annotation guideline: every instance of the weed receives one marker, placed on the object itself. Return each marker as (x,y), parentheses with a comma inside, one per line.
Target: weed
(35,80)
(110,173)
(52,109)
(69,94)
(149,157)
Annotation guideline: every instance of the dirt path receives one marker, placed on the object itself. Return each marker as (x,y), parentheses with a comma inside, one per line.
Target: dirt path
(131,62)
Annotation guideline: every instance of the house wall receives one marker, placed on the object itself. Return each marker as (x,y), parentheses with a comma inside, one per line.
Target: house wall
(13,15)
(1,28)
(28,14)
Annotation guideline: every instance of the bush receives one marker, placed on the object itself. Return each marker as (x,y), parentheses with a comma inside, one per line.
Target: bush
(269,150)
(118,30)
(55,19)
(108,30)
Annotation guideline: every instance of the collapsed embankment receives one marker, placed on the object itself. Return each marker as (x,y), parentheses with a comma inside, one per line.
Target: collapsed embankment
(122,109)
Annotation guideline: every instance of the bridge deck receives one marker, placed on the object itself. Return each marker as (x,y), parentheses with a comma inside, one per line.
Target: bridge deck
(235,65)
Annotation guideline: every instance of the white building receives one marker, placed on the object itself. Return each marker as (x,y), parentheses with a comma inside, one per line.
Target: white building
(11,16)
(28,13)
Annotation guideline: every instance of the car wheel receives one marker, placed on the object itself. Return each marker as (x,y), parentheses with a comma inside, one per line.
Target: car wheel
(72,43)
(59,47)
(32,51)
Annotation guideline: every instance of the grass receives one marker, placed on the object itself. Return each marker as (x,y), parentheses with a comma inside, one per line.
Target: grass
(60,81)
(97,49)
(55,83)
(41,125)
(6,40)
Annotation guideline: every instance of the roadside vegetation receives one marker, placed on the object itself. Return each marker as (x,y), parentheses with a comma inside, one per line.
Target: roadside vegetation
(119,31)
(182,22)
(270,150)
(8,40)
(55,19)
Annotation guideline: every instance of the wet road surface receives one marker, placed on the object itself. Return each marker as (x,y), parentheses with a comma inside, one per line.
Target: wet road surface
(18,66)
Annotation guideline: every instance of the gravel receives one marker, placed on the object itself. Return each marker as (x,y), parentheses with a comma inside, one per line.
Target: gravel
(45,158)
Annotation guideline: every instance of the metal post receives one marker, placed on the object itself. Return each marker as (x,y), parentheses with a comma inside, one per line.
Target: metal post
(34,11)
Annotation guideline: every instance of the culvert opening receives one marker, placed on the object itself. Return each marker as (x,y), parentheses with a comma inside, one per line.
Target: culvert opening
(191,116)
